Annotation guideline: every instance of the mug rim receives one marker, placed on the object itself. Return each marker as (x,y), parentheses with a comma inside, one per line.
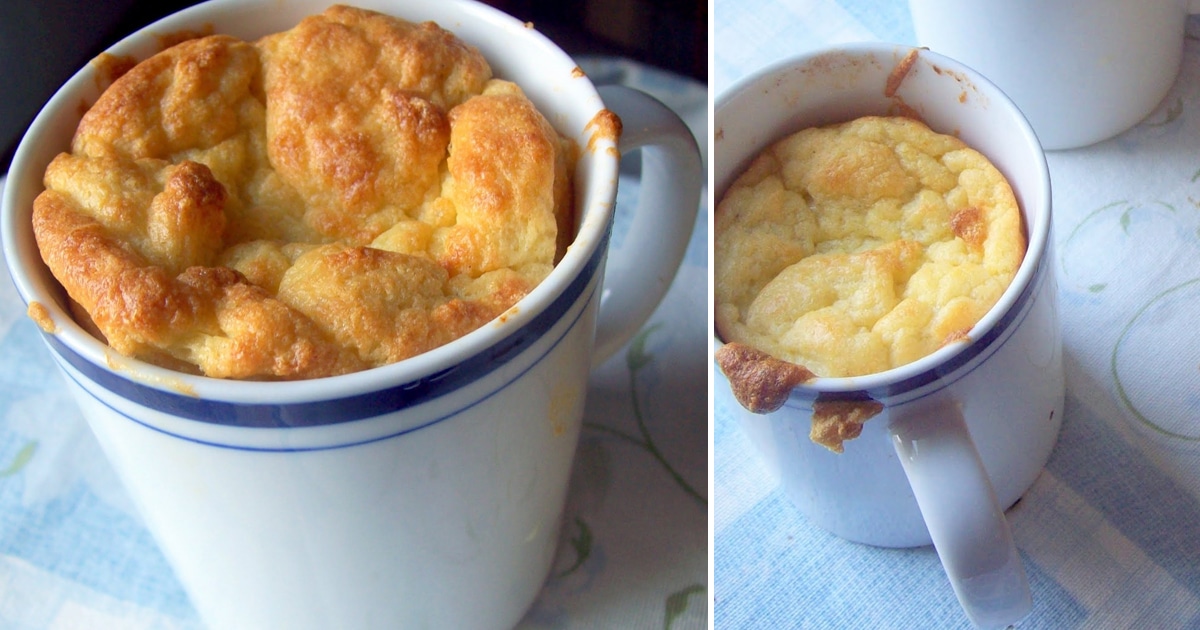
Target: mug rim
(594,207)
(1034,266)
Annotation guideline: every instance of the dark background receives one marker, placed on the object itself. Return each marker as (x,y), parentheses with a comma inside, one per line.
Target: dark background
(43,42)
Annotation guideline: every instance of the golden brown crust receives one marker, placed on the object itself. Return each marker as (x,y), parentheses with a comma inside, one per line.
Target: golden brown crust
(41,316)
(189,96)
(358,119)
(495,202)
(339,196)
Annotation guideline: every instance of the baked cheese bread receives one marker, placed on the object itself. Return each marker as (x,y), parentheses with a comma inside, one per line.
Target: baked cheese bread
(346,194)
(858,247)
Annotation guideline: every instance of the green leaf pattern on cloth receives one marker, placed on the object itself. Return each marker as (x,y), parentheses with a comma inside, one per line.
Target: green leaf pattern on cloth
(1106,251)
(581,542)
(677,603)
(637,358)
(20,460)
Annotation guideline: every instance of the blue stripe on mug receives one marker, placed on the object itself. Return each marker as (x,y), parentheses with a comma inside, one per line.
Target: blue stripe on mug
(359,442)
(356,407)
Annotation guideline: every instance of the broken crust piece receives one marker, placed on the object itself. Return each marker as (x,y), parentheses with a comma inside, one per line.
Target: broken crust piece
(340,196)
(762,383)
(835,421)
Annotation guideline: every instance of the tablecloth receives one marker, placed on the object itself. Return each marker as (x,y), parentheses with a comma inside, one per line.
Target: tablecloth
(634,551)
(1110,531)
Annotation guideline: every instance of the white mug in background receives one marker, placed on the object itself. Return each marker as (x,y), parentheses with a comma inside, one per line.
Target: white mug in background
(1081,71)
(963,432)
(423,494)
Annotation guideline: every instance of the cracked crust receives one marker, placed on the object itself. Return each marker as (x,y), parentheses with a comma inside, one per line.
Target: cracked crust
(339,196)
(860,247)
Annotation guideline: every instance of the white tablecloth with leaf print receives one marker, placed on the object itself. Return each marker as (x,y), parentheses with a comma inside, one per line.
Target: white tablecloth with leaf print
(634,553)
(1110,532)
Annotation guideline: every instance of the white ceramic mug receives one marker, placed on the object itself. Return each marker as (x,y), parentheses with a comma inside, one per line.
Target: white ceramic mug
(965,431)
(423,494)
(1081,72)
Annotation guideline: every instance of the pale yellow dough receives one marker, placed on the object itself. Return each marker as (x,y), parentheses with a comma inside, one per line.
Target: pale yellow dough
(859,247)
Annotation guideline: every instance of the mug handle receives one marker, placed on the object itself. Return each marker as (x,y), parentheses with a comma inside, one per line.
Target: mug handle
(965,521)
(672,179)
